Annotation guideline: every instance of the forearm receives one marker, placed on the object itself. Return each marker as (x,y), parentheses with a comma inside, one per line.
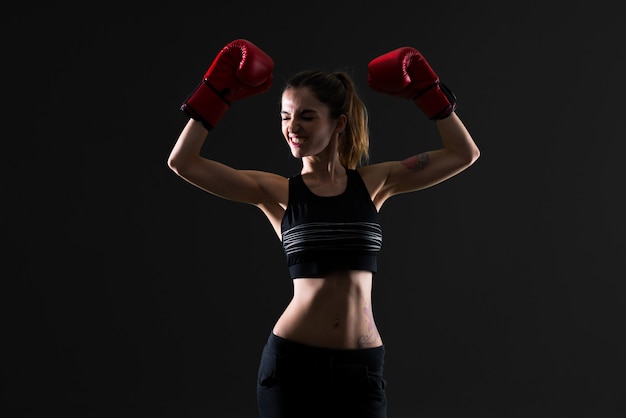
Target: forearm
(240,70)
(456,138)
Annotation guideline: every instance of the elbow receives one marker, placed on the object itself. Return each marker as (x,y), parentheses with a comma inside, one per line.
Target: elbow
(474,154)
(182,166)
(175,164)
(468,157)
(172,163)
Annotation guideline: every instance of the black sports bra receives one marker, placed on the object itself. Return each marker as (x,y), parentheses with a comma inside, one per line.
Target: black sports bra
(321,234)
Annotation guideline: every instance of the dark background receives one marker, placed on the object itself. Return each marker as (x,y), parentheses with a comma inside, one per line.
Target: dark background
(129,293)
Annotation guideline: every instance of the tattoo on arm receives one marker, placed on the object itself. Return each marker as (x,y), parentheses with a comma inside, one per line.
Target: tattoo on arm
(417,162)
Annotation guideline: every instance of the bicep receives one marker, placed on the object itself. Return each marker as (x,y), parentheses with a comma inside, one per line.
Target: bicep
(419,172)
(246,186)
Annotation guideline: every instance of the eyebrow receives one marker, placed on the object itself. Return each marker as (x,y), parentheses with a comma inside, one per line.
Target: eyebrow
(301,112)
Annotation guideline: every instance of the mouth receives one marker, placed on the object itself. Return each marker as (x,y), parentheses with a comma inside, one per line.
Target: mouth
(296,141)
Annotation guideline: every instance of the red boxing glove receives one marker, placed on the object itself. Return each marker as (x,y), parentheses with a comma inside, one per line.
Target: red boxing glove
(240,70)
(405,73)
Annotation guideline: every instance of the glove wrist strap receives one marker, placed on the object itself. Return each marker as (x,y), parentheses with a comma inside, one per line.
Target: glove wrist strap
(437,102)
(206,105)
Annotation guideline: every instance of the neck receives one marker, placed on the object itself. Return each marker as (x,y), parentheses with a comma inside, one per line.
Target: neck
(324,166)
(325,171)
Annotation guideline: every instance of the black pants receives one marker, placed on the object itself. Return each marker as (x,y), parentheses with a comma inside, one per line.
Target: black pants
(299,381)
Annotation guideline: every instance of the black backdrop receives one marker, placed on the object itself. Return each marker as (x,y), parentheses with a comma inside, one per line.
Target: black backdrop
(129,293)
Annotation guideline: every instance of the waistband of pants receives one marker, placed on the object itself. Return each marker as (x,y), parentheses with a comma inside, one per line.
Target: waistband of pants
(373,356)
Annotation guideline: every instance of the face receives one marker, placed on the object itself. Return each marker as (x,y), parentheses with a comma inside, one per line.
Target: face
(306,124)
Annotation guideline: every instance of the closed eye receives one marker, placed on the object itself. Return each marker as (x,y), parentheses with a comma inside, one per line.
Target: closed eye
(306,114)
(306,118)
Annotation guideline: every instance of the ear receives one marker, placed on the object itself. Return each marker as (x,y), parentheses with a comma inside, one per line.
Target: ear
(340,123)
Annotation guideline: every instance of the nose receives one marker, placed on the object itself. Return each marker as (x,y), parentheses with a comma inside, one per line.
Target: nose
(293,126)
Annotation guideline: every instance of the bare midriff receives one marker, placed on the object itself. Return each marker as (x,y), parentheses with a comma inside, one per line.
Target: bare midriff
(331,312)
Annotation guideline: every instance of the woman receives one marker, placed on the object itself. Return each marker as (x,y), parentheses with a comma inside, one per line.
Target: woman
(324,357)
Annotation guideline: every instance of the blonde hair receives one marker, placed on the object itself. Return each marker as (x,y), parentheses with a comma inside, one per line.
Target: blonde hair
(337,91)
